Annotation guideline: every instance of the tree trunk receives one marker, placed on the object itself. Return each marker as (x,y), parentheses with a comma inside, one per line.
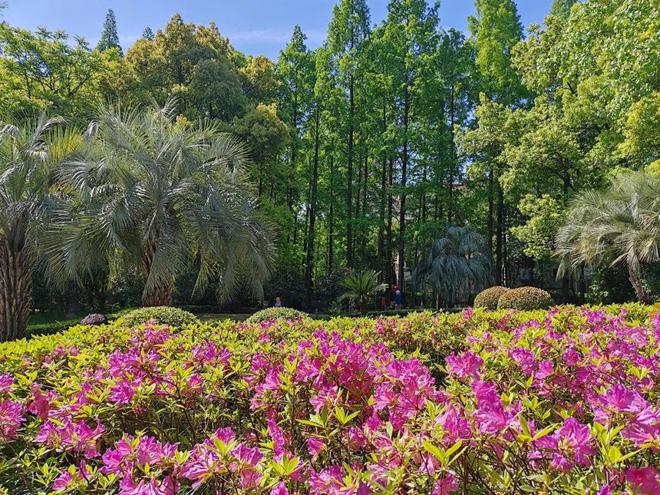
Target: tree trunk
(404,179)
(158,296)
(349,176)
(356,211)
(491,209)
(309,262)
(383,202)
(331,217)
(161,294)
(15,292)
(499,246)
(637,281)
(452,161)
(390,213)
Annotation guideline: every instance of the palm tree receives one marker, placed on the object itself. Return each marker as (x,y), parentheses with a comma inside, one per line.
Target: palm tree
(620,225)
(167,195)
(455,265)
(361,287)
(29,159)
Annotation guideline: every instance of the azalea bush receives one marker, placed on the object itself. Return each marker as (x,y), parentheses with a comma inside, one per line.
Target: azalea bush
(275,314)
(158,314)
(559,401)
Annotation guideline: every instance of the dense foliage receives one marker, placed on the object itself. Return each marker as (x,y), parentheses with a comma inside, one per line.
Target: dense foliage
(489,298)
(564,401)
(164,315)
(276,314)
(618,226)
(366,148)
(527,298)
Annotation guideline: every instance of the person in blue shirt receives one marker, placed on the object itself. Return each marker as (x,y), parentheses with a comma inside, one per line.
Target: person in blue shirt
(398,299)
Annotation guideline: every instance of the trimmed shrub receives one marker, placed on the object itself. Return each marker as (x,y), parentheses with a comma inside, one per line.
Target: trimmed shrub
(94,319)
(164,315)
(525,298)
(488,298)
(276,314)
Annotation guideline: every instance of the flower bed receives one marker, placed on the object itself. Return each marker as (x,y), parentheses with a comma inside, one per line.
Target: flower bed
(564,401)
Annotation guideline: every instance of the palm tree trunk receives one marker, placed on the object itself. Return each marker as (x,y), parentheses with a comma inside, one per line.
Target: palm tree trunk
(15,292)
(158,296)
(161,294)
(637,281)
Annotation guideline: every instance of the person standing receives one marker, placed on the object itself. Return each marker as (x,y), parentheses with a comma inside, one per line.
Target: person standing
(398,300)
(278,302)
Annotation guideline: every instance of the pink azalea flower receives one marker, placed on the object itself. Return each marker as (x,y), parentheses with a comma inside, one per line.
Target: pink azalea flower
(62,482)
(490,415)
(40,403)
(71,435)
(644,428)
(11,418)
(570,445)
(446,484)
(525,358)
(464,365)
(327,481)
(644,481)
(6,384)
(622,399)
(314,446)
(279,489)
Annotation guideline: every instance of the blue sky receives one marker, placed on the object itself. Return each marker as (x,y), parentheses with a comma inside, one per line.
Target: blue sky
(256,27)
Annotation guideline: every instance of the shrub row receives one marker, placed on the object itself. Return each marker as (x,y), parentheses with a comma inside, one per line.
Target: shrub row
(524,298)
(564,401)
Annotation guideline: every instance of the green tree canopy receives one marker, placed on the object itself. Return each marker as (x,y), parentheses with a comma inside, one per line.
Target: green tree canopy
(109,37)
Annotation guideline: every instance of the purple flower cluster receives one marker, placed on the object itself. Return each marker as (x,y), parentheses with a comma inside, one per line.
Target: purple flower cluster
(566,402)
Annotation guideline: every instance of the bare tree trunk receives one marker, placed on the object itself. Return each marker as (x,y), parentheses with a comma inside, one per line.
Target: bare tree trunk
(15,292)
(499,237)
(349,175)
(309,262)
(402,200)
(389,234)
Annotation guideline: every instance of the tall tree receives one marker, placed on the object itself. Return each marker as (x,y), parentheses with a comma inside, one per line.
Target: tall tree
(29,159)
(195,64)
(46,70)
(295,69)
(496,29)
(347,34)
(109,37)
(411,36)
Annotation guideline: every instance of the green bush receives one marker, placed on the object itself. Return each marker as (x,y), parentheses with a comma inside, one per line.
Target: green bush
(160,314)
(489,298)
(525,298)
(276,314)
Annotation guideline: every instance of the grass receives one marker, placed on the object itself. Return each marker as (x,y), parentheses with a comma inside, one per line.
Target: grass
(42,322)
(53,321)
